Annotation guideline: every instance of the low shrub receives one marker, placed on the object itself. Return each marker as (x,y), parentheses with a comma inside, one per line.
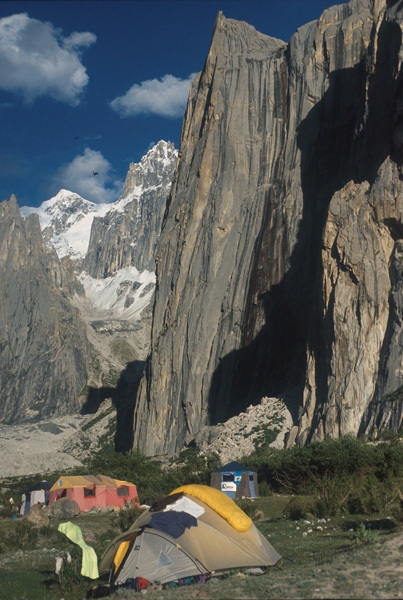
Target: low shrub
(47,531)
(125,517)
(364,535)
(332,493)
(25,535)
(7,505)
(368,496)
(265,489)
(299,508)
(247,506)
(69,577)
(104,539)
(343,475)
(154,482)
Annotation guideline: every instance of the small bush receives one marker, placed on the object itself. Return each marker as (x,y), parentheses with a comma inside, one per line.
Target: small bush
(103,540)
(332,493)
(299,508)
(247,506)
(264,489)
(69,577)
(25,535)
(125,517)
(47,531)
(364,535)
(368,496)
(7,509)
(152,481)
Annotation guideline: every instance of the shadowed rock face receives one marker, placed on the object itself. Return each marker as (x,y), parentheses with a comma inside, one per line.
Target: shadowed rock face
(44,351)
(279,267)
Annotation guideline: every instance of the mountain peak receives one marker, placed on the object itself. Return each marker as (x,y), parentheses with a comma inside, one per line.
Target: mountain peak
(66,218)
(154,168)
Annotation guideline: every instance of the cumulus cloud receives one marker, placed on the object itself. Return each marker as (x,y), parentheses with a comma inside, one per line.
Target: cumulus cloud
(165,97)
(90,175)
(35,60)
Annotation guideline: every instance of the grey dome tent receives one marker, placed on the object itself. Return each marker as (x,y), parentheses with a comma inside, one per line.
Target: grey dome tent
(193,532)
(235,480)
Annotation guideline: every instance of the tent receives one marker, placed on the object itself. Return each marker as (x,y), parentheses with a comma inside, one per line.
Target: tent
(91,491)
(194,531)
(235,480)
(37,494)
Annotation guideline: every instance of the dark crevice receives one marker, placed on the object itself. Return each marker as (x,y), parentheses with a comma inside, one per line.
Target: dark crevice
(123,399)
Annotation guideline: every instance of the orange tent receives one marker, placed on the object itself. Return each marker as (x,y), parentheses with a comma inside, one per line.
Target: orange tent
(97,491)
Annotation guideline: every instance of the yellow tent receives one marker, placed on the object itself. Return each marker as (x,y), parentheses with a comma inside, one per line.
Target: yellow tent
(183,536)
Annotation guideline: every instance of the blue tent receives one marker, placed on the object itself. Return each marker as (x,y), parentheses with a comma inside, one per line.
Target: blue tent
(235,480)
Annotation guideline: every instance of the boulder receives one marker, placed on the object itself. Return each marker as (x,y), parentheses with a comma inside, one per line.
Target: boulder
(63,509)
(37,516)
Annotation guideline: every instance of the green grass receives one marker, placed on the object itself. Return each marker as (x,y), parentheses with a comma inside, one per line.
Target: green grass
(308,560)
(25,585)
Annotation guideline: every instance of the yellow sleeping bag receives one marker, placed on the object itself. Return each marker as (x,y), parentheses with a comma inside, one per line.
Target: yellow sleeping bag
(220,502)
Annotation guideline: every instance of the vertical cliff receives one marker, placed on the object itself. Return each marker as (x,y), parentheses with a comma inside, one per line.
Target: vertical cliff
(279,263)
(44,352)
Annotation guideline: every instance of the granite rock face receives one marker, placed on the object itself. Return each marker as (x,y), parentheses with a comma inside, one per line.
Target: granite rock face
(128,236)
(279,266)
(44,353)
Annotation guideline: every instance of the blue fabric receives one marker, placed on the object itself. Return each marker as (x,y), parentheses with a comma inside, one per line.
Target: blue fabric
(172,522)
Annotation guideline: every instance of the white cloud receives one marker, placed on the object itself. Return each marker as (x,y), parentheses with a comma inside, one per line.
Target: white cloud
(35,60)
(76,39)
(166,97)
(90,175)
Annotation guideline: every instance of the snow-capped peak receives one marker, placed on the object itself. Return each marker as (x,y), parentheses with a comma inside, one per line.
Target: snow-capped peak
(151,171)
(66,219)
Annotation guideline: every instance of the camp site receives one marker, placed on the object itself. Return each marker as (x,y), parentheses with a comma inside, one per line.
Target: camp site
(180,536)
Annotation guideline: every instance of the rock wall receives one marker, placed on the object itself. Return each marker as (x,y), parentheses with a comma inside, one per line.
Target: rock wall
(44,352)
(128,236)
(279,263)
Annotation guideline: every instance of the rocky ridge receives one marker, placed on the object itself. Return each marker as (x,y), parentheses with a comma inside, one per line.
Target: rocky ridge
(127,234)
(70,340)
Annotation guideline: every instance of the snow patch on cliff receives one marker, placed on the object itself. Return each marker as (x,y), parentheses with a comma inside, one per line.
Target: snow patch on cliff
(124,294)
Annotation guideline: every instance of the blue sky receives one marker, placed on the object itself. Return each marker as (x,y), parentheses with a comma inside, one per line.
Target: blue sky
(91,85)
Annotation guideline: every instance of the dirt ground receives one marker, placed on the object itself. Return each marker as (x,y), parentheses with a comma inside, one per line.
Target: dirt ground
(374,571)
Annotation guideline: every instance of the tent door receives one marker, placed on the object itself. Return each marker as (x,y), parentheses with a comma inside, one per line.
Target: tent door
(157,558)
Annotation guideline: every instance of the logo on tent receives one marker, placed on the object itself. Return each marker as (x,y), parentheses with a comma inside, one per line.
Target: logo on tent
(163,560)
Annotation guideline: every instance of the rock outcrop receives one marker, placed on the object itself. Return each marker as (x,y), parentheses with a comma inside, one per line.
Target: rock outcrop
(44,353)
(279,266)
(265,424)
(127,235)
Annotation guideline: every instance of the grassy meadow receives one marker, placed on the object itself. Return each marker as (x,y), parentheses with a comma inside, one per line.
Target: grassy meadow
(332,510)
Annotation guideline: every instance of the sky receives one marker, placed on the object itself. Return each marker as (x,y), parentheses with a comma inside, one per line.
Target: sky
(90,86)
